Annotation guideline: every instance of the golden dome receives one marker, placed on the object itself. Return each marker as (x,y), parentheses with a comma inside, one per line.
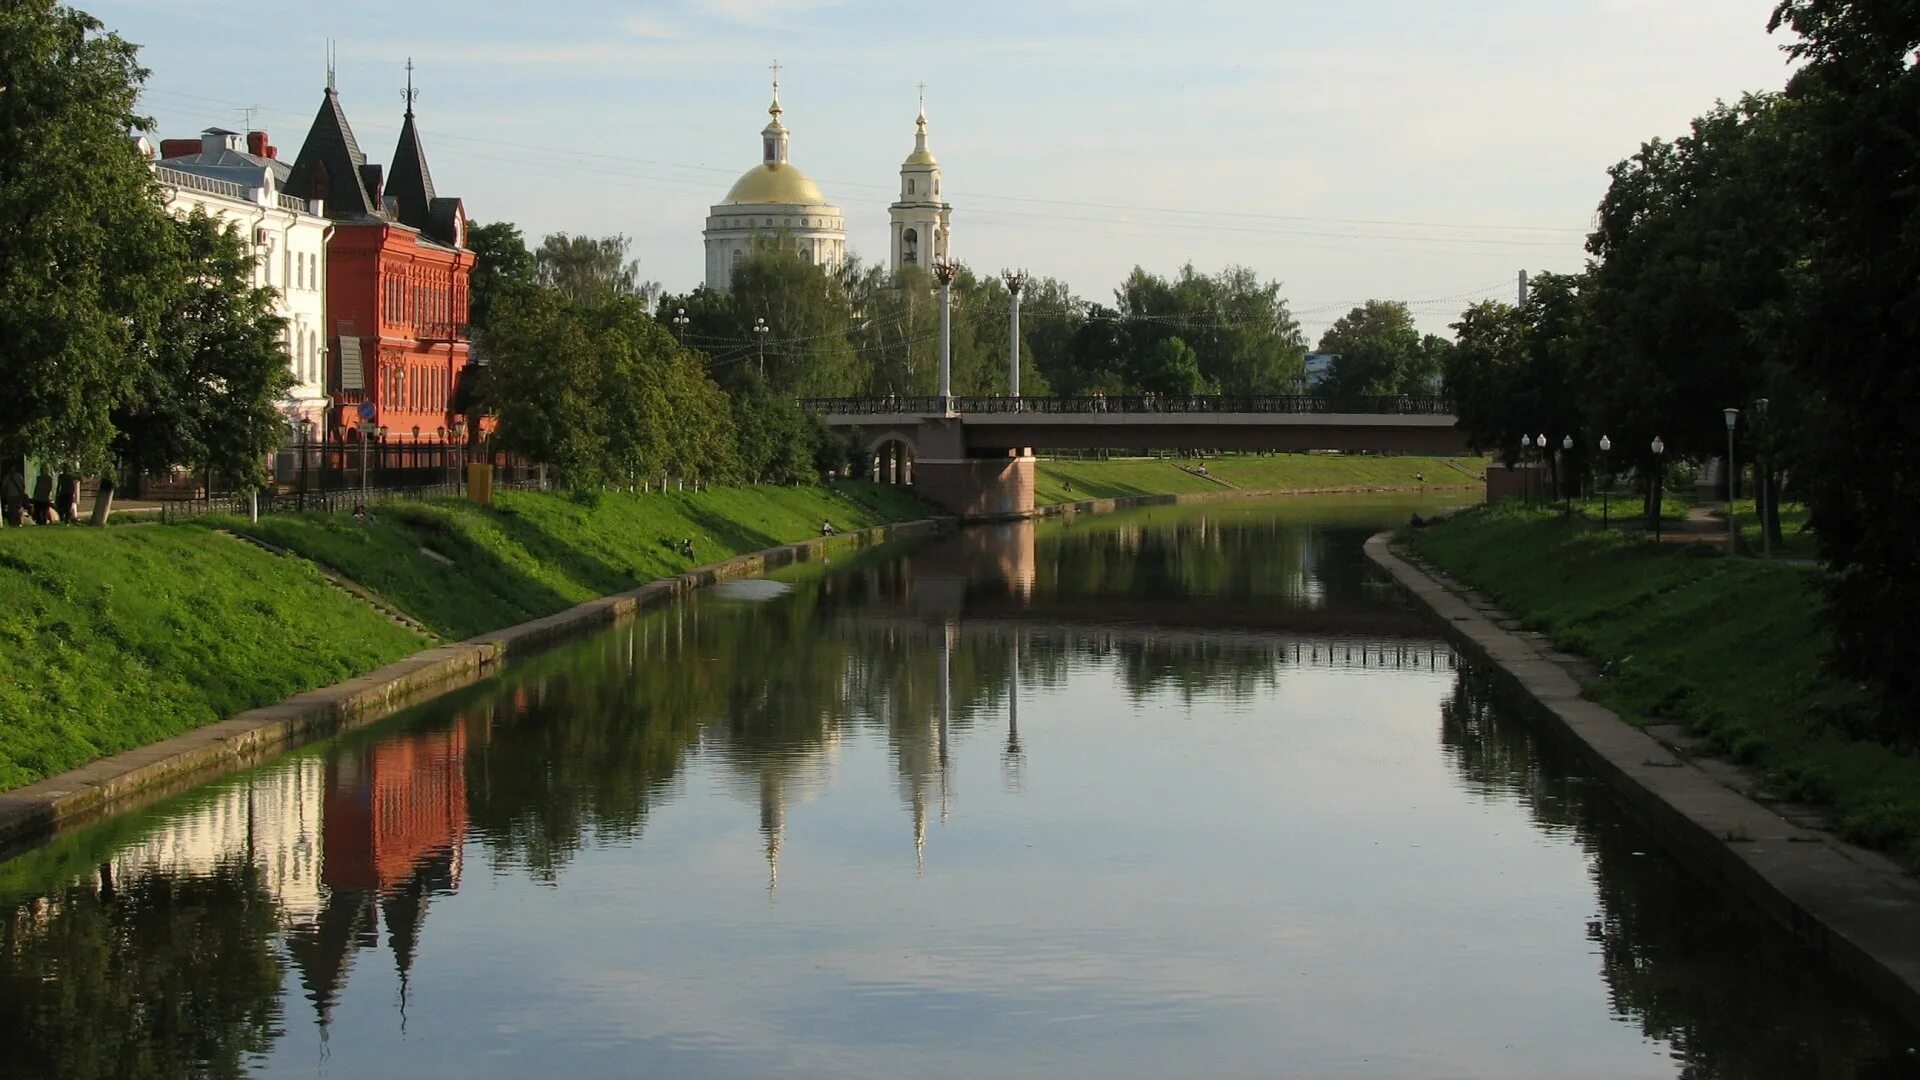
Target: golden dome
(778,185)
(921,157)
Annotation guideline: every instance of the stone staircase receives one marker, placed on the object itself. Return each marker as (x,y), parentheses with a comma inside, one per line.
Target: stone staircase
(345,584)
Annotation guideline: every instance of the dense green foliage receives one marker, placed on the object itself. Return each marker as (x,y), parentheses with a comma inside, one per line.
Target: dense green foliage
(1765,256)
(121,330)
(1731,648)
(1380,353)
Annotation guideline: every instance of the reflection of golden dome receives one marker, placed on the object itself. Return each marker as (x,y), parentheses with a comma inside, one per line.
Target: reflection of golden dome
(781,185)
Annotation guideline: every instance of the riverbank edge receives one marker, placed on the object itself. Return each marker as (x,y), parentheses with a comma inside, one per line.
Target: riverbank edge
(39,810)
(1857,908)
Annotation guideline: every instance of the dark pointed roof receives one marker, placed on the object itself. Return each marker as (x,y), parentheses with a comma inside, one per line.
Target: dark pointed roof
(411,182)
(330,163)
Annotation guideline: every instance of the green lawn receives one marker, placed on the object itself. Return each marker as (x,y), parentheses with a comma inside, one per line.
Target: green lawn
(115,638)
(1797,540)
(535,553)
(1732,648)
(1269,473)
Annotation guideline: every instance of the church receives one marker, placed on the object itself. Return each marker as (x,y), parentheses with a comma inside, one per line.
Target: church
(774,198)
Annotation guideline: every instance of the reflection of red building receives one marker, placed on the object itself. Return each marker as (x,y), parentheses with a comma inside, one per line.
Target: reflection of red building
(387,811)
(394,819)
(397,271)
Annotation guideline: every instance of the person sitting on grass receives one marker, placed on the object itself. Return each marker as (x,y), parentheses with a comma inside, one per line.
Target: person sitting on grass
(686,549)
(826,528)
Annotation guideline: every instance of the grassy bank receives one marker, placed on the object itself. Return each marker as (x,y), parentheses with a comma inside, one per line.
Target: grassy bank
(115,638)
(1121,477)
(1731,648)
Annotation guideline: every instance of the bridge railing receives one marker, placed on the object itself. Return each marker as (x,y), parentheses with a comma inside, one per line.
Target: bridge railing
(1295,404)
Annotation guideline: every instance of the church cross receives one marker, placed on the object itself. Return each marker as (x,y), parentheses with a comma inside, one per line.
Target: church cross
(410,94)
(923,96)
(775,68)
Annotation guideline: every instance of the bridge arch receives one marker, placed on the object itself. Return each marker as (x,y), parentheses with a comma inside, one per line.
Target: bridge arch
(891,455)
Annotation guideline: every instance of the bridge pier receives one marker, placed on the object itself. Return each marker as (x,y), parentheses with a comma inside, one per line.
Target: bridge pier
(979,488)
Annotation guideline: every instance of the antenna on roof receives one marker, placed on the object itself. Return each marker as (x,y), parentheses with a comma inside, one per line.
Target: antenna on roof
(248,115)
(410,94)
(331,88)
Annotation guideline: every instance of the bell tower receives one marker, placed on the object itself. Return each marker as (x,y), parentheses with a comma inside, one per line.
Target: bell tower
(922,220)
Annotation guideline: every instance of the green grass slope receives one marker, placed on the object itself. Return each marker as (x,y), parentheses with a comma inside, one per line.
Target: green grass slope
(114,638)
(1732,648)
(1119,478)
(535,553)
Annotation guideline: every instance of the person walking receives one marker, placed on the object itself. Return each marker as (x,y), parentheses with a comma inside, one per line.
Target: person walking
(13,495)
(66,499)
(43,498)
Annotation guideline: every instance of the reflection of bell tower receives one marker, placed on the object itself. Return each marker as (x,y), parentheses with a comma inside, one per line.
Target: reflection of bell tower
(1013,760)
(773,825)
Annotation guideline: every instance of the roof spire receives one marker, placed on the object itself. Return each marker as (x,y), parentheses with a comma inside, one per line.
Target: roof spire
(331,57)
(774,109)
(410,95)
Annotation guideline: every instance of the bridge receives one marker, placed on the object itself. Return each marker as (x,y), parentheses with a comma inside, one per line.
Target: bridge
(974,455)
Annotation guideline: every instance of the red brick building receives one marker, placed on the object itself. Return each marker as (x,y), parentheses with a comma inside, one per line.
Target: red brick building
(397,272)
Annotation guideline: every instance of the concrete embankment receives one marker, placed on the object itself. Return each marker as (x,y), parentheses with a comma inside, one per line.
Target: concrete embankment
(1857,907)
(27,814)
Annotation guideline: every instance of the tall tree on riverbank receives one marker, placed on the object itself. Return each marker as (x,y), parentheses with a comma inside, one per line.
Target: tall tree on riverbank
(1855,152)
(82,234)
(1380,353)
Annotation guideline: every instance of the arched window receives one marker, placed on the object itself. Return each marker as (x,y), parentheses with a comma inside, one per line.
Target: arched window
(910,247)
(909,187)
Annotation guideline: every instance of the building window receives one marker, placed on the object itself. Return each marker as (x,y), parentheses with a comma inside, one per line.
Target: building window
(909,187)
(910,247)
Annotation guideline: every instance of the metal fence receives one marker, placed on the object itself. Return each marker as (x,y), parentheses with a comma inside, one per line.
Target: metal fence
(1290,404)
(340,500)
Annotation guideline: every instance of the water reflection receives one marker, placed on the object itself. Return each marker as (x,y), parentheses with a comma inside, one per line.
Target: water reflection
(1150,700)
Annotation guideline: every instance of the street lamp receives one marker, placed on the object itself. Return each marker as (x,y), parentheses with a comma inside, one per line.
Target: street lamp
(1659,447)
(1606,493)
(1733,476)
(1763,479)
(760,329)
(680,323)
(1566,455)
(306,437)
(1540,445)
(1526,486)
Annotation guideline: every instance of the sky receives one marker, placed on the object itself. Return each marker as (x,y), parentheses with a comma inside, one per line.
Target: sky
(1367,149)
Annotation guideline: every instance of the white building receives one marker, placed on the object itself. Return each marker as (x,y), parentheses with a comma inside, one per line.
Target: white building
(237,180)
(773,200)
(922,221)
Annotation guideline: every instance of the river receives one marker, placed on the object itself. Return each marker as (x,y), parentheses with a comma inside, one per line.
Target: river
(1167,792)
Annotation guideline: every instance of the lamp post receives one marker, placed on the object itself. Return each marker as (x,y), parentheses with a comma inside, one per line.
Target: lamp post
(1606,493)
(680,323)
(944,271)
(1566,456)
(1016,284)
(760,330)
(460,443)
(1540,447)
(1659,448)
(380,453)
(1763,479)
(306,437)
(1733,476)
(1526,476)
(366,433)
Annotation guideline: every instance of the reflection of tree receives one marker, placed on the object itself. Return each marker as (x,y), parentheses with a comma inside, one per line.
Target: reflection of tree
(1695,972)
(161,975)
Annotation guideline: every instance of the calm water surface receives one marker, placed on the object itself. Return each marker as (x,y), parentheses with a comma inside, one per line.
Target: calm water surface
(1164,793)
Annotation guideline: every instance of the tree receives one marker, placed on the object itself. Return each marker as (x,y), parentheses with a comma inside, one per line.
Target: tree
(544,387)
(1171,367)
(82,234)
(1380,353)
(211,373)
(806,351)
(1239,327)
(502,265)
(588,269)
(1852,152)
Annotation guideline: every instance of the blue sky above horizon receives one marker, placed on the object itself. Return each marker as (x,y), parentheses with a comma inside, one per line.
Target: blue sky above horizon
(1374,149)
